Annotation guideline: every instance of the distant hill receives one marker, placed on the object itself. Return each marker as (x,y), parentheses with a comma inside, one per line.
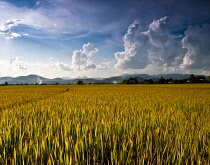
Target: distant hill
(174,76)
(36,79)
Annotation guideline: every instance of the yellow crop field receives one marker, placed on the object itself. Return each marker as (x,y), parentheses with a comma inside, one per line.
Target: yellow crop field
(105,124)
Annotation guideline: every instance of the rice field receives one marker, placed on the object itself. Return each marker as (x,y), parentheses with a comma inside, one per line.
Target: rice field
(105,124)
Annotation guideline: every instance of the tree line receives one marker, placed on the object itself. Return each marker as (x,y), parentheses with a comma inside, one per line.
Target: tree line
(161,80)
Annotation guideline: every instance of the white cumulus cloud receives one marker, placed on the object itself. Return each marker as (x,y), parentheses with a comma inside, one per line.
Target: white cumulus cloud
(158,32)
(22,67)
(166,51)
(156,46)
(136,46)
(197,43)
(14,60)
(64,67)
(82,59)
(17,63)
(13,35)
(6,27)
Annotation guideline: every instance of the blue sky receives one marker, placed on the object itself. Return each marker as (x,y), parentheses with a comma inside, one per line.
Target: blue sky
(92,38)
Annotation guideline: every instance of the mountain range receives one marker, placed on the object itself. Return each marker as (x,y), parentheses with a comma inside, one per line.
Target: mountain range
(36,79)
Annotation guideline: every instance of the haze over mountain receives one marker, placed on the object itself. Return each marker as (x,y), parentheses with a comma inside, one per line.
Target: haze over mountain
(35,79)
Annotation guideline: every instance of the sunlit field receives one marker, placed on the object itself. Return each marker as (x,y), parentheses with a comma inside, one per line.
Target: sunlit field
(105,124)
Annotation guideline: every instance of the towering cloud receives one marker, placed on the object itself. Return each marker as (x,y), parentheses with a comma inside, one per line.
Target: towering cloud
(136,54)
(155,46)
(82,59)
(166,50)
(197,43)
(158,32)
